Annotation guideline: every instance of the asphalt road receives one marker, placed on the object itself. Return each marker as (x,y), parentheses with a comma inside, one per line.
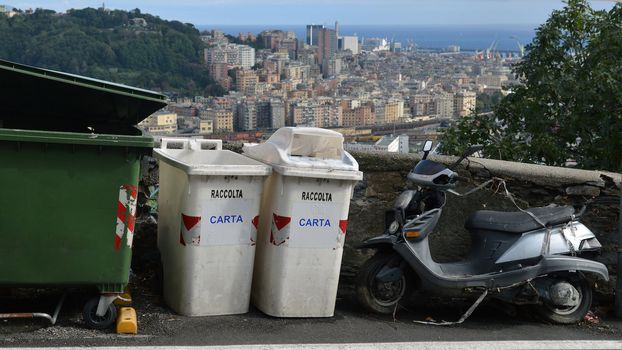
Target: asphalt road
(160,326)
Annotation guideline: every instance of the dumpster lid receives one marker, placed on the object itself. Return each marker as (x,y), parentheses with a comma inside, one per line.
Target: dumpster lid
(297,151)
(69,102)
(72,138)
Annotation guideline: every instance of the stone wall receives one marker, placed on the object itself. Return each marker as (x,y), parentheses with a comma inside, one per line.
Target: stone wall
(531,185)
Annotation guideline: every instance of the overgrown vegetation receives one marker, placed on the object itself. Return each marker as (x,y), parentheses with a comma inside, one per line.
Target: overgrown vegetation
(132,48)
(569,106)
(487,102)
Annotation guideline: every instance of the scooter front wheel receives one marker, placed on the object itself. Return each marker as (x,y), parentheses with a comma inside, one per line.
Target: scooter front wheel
(581,296)
(375,296)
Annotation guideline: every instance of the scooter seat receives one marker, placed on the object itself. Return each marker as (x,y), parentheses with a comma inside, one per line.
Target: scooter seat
(517,221)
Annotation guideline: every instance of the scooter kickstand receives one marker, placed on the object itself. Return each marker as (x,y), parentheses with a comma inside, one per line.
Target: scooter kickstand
(463,318)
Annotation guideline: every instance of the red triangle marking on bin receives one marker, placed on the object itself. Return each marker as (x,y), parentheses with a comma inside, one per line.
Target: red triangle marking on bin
(190,221)
(343,225)
(281,221)
(181,239)
(256,221)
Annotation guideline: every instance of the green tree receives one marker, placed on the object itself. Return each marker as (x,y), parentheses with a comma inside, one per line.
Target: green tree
(257,44)
(164,55)
(568,105)
(486,102)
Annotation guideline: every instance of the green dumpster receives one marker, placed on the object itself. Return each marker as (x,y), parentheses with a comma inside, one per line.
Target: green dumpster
(69,167)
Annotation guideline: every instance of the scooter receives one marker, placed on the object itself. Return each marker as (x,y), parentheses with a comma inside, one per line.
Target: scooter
(528,257)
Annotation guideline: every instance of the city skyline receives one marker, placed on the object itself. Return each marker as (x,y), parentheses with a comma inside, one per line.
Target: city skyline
(355,12)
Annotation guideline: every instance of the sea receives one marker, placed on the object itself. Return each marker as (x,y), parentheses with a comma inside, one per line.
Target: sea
(468,37)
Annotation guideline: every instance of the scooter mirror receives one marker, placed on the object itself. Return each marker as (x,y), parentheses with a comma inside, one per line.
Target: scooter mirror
(427,146)
(469,151)
(472,149)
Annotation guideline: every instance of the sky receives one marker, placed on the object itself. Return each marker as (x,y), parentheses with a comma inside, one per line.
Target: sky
(353,12)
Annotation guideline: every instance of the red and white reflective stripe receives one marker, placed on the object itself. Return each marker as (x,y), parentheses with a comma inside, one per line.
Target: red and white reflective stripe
(131,220)
(127,201)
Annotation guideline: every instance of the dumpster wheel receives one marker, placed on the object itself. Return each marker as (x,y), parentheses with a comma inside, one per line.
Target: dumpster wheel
(89,313)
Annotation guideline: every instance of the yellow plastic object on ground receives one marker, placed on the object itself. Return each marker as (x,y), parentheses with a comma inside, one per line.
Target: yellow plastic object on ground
(124,299)
(127,323)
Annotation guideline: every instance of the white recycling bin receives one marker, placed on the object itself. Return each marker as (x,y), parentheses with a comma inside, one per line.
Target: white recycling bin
(208,210)
(303,220)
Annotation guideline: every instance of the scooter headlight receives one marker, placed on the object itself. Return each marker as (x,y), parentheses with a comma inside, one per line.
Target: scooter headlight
(394,227)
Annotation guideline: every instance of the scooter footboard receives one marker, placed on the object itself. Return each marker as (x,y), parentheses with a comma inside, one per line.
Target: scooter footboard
(558,263)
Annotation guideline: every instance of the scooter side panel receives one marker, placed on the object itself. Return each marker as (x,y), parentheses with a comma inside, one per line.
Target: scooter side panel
(564,240)
(528,246)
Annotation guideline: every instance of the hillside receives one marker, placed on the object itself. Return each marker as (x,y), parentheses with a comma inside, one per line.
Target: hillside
(126,47)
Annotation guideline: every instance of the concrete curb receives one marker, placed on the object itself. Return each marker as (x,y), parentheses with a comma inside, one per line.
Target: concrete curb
(542,175)
(475,345)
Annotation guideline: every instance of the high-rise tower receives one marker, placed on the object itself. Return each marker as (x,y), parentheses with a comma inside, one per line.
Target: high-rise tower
(313,34)
(327,44)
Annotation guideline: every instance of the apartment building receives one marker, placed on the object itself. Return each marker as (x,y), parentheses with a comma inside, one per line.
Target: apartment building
(206,126)
(422,105)
(160,123)
(358,116)
(317,114)
(246,116)
(464,103)
(222,119)
(388,111)
(242,56)
(444,104)
(246,81)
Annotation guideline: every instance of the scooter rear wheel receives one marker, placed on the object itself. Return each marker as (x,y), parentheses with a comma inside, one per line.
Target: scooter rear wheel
(568,314)
(377,296)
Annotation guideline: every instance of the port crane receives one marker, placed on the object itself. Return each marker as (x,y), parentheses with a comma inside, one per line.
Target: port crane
(521,47)
(489,53)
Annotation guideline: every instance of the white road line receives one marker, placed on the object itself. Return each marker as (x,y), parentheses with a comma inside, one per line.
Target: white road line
(468,345)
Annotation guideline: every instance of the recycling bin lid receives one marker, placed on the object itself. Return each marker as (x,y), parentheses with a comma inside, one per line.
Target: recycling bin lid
(306,152)
(52,100)
(192,157)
